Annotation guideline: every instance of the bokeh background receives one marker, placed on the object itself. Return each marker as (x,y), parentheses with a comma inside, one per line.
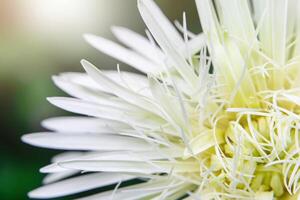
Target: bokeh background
(39,38)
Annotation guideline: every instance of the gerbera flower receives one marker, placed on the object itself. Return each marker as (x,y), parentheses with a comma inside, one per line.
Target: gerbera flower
(214,115)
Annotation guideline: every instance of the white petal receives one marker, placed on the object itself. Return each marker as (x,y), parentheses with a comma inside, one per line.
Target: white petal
(161,33)
(237,20)
(259,9)
(81,79)
(77,184)
(83,125)
(132,81)
(204,141)
(121,53)
(273,31)
(55,168)
(53,177)
(87,108)
(194,45)
(154,154)
(80,91)
(132,115)
(208,19)
(139,44)
(162,21)
(133,192)
(175,191)
(183,29)
(85,141)
(112,166)
(131,166)
(68,155)
(90,95)
(118,90)
(168,103)
(146,156)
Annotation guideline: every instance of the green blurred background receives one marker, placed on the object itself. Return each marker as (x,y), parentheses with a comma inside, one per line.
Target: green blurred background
(39,38)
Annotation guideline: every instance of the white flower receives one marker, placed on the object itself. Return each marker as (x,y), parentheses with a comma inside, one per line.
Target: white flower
(216,117)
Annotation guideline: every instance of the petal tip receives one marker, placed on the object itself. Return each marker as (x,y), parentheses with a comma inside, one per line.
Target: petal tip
(116,30)
(51,99)
(56,101)
(87,36)
(84,62)
(26,138)
(89,67)
(32,194)
(30,138)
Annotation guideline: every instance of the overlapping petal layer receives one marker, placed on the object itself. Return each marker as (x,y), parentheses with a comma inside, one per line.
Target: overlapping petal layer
(213,116)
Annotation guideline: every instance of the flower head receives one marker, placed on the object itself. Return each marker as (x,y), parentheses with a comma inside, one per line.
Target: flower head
(216,117)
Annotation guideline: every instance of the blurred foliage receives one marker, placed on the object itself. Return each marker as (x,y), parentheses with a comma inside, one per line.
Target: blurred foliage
(22,107)
(29,55)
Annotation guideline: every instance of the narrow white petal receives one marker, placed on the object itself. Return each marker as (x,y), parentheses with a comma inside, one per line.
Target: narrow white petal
(146,156)
(163,21)
(85,141)
(55,168)
(112,166)
(87,108)
(80,91)
(53,177)
(174,191)
(169,104)
(193,46)
(273,32)
(121,53)
(203,141)
(91,95)
(132,81)
(67,155)
(83,125)
(154,154)
(161,33)
(138,191)
(78,184)
(259,9)
(81,79)
(208,19)
(132,115)
(182,29)
(237,19)
(131,166)
(118,90)
(139,44)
